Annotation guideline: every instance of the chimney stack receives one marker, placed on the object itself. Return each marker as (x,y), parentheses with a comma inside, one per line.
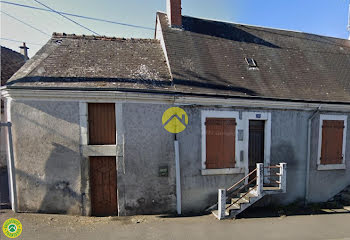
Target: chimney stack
(24,51)
(174,13)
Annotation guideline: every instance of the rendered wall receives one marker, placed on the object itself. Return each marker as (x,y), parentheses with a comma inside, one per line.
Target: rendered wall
(326,183)
(47,156)
(49,164)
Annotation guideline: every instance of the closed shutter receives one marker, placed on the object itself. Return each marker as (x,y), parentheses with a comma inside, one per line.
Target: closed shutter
(220,143)
(332,142)
(101,118)
(229,143)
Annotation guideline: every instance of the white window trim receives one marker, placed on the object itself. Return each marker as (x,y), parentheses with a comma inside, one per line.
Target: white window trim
(331,166)
(238,145)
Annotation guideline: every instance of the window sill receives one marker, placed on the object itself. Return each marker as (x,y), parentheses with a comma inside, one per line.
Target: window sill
(223,171)
(331,167)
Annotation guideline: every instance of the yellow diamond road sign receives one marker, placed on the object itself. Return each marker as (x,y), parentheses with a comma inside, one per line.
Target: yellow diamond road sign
(175,120)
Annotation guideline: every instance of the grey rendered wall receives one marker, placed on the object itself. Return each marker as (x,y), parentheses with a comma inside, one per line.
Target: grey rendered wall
(147,147)
(198,191)
(47,158)
(325,184)
(289,145)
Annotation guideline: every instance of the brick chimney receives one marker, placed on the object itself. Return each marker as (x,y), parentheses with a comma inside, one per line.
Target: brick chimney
(24,51)
(174,13)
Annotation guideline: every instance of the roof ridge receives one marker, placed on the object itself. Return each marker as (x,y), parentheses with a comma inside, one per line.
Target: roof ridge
(257,26)
(11,50)
(104,38)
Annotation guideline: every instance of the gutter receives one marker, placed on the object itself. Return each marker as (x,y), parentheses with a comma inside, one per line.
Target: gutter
(174,93)
(307,178)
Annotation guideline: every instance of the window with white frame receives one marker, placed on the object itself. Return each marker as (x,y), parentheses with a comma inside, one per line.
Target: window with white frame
(332,142)
(219,142)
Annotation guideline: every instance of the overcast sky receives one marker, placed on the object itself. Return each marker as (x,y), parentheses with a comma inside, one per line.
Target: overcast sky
(324,17)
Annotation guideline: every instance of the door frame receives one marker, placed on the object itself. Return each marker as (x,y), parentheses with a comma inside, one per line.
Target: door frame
(263,116)
(88,151)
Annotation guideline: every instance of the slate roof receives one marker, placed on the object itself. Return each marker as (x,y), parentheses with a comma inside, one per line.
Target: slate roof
(11,61)
(209,57)
(206,57)
(70,61)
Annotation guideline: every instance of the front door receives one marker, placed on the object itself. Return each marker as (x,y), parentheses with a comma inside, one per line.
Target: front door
(256,144)
(103,182)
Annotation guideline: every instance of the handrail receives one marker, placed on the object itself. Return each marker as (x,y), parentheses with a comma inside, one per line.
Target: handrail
(243,186)
(272,175)
(276,166)
(235,185)
(242,196)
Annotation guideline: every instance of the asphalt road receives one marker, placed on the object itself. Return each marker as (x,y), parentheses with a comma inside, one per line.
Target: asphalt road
(43,227)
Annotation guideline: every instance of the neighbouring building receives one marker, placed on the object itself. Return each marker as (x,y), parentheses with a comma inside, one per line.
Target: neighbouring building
(86,115)
(11,62)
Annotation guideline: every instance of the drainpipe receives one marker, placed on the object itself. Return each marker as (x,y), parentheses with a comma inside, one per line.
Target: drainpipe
(177,172)
(307,178)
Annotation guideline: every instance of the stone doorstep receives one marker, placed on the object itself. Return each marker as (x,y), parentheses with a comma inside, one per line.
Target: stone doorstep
(337,210)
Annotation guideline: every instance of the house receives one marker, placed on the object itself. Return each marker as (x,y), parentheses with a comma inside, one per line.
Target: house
(11,61)
(89,136)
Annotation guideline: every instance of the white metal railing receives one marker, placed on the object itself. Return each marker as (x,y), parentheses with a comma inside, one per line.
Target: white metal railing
(258,188)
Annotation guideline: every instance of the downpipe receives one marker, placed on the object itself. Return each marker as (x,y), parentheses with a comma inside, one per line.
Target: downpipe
(308,159)
(177,173)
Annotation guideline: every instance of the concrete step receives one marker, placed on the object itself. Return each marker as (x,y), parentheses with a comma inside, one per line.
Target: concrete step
(242,200)
(233,207)
(248,195)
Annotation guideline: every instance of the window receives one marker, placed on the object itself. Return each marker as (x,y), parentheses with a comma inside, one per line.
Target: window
(220,143)
(332,141)
(251,63)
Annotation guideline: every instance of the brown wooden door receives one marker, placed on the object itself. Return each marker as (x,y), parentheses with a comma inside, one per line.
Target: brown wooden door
(256,144)
(103,182)
(101,118)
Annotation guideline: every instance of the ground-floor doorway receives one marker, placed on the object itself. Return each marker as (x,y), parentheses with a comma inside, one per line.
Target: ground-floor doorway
(256,144)
(103,183)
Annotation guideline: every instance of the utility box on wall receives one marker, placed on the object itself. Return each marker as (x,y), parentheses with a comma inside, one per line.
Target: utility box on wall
(163,171)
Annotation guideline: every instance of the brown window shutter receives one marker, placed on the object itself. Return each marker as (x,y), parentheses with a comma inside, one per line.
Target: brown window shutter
(229,143)
(214,142)
(220,143)
(332,142)
(102,126)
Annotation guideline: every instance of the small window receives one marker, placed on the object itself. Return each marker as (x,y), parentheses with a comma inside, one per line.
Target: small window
(220,143)
(332,141)
(251,62)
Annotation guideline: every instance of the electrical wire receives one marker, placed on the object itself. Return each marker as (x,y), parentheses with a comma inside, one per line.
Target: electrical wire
(53,10)
(14,40)
(124,24)
(80,16)
(27,24)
